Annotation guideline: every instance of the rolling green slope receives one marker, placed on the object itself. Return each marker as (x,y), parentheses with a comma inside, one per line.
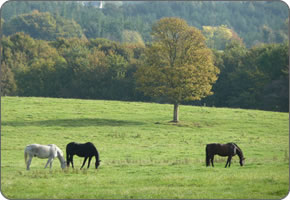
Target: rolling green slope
(143,154)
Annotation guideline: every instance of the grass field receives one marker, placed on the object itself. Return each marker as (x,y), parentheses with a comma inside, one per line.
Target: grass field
(143,154)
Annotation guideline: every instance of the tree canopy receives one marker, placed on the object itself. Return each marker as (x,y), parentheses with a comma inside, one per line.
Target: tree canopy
(218,37)
(178,65)
(43,26)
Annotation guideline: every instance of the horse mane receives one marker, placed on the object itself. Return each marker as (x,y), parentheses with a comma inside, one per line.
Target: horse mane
(59,151)
(239,151)
(93,146)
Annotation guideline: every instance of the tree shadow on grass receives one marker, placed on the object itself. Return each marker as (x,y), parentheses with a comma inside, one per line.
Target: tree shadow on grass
(83,122)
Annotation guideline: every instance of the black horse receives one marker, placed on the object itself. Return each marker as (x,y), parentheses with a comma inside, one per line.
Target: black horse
(229,149)
(87,150)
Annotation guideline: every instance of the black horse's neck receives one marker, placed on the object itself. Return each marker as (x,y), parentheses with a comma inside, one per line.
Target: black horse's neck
(239,152)
(97,156)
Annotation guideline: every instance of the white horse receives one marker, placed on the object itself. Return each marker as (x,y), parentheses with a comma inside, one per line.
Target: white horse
(50,151)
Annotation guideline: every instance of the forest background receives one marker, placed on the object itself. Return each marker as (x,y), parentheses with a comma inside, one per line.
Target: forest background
(77,50)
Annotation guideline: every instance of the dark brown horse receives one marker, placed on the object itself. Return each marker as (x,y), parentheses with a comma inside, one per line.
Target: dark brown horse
(229,149)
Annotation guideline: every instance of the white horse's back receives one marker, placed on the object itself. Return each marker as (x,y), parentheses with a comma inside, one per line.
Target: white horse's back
(40,151)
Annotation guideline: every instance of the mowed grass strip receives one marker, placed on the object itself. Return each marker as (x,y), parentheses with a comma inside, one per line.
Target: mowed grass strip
(143,154)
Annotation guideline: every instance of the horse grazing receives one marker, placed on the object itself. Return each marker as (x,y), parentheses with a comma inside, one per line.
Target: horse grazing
(229,149)
(50,151)
(87,150)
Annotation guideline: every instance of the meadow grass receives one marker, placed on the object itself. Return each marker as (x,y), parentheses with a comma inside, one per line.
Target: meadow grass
(142,154)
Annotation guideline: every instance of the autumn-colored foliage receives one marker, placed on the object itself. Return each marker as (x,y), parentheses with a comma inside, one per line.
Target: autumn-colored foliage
(178,65)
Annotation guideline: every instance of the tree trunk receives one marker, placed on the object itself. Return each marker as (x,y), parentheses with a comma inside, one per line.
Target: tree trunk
(175,113)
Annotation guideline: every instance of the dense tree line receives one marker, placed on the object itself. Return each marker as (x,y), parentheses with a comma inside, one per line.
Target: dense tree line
(69,67)
(256,78)
(254,22)
(58,49)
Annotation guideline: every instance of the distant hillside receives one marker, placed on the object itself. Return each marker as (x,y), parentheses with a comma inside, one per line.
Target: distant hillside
(42,25)
(254,22)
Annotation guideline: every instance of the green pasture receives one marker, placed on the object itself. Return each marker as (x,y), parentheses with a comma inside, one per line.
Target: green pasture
(142,154)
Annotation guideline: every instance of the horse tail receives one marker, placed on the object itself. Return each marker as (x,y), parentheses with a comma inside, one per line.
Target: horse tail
(207,156)
(67,154)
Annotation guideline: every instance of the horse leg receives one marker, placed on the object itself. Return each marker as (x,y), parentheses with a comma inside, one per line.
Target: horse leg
(48,162)
(67,159)
(212,157)
(207,162)
(84,162)
(72,161)
(228,161)
(29,162)
(90,158)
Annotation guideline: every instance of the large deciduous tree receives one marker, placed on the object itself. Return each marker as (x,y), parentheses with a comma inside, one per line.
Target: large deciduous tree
(178,65)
